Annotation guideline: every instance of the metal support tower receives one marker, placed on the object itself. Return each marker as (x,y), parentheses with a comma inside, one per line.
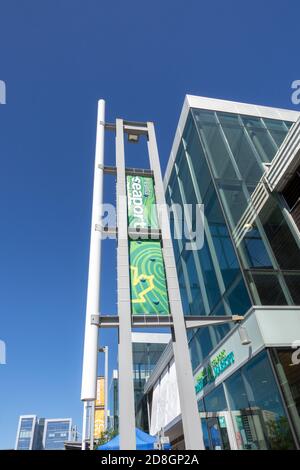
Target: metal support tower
(188,403)
(124,320)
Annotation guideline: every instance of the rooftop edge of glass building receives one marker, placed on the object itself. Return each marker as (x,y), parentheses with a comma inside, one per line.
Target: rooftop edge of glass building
(242,162)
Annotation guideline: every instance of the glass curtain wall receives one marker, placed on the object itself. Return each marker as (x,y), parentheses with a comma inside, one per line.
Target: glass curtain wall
(220,160)
(210,278)
(26,433)
(258,414)
(287,366)
(253,399)
(236,149)
(145,357)
(57,433)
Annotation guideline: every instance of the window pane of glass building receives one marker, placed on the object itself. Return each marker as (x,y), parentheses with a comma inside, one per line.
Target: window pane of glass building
(215,400)
(56,433)
(250,257)
(25,434)
(145,357)
(259,417)
(287,365)
(235,149)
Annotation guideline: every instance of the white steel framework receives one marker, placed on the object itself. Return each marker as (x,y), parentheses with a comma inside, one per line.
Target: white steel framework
(124,320)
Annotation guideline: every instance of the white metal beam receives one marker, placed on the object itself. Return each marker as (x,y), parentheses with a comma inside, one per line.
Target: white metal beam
(126,390)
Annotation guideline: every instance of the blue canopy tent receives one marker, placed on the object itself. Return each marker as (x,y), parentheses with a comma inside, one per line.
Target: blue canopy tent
(143,442)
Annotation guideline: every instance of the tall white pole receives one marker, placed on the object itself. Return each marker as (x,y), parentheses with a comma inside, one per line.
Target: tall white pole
(89,370)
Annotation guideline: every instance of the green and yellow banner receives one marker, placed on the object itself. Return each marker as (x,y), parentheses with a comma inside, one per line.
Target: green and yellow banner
(147,278)
(147,273)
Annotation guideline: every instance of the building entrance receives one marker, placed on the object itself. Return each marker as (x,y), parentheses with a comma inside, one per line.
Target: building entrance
(218,431)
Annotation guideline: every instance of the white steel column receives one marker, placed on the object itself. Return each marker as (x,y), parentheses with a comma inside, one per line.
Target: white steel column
(188,403)
(126,390)
(89,372)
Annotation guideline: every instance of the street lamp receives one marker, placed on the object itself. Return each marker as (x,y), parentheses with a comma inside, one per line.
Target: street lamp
(245,340)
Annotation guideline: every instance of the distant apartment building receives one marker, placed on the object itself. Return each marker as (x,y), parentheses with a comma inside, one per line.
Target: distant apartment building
(29,433)
(42,434)
(56,432)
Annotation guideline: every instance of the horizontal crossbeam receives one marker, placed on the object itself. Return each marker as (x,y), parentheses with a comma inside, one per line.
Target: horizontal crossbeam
(112,170)
(160,321)
(136,233)
(133,233)
(129,127)
(203,321)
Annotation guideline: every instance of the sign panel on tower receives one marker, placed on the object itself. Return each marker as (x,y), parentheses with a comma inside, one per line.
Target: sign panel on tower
(147,272)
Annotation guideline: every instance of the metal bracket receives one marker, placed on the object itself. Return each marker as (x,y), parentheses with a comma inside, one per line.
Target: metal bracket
(237,318)
(105,321)
(108,230)
(95,320)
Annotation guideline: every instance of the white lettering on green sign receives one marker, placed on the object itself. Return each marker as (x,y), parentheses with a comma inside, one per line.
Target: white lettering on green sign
(214,369)
(141,202)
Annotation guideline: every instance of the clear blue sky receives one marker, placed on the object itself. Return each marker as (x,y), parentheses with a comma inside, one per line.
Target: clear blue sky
(58,57)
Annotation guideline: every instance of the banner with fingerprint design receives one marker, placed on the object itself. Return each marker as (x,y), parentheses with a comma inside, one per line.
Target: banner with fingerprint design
(147,278)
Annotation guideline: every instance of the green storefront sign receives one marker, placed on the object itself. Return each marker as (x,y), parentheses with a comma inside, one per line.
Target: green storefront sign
(147,273)
(214,369)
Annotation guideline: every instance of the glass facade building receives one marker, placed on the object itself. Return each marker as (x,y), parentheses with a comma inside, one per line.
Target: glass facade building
(221,154)
(259,419)
(39,433)
(147,349)
(219,163)
(56,433)
(30,433)
(26,433)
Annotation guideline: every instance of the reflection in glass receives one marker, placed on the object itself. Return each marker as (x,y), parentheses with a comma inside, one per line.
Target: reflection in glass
(281,239)
(266,288)
(200,346)
(215,400)
(249,167)
(287,366)
(259,417)
(233,199)
(255,250)
(215,147)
